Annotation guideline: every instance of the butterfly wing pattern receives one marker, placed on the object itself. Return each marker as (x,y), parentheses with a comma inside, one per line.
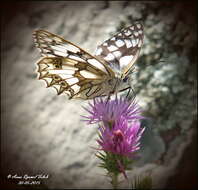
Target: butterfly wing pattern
(122,50)
(73,71)
(68,68)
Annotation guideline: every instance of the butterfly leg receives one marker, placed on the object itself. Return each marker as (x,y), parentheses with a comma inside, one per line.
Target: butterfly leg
(131,96)
(128,96)
(129,90)
(112,92)
(108,98)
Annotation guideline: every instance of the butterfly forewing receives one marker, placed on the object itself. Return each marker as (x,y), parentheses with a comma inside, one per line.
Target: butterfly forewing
(122,50)
(68,68)
(52,45)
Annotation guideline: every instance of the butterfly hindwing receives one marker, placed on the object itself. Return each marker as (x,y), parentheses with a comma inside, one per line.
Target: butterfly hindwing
(76,79)
(122,50)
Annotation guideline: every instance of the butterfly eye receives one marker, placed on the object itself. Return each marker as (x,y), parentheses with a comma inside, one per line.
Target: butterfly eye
(125,79)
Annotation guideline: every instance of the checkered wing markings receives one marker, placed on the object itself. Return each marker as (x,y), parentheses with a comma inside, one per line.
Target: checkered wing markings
(66,75)
(51,45)
(68,68)
(122,50)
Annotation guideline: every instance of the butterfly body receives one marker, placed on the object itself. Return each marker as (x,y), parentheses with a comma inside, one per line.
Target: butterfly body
(73,71)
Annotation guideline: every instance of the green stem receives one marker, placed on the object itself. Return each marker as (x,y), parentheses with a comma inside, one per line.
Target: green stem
(114,180)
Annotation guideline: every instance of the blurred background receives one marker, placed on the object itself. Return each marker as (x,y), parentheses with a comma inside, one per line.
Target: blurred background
(42,133)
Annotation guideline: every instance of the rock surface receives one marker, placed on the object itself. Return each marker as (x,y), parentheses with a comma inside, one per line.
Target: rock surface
(43,133)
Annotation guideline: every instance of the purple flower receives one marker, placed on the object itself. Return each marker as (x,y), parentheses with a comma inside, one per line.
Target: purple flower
(119,132)
(121,139)
(112,110)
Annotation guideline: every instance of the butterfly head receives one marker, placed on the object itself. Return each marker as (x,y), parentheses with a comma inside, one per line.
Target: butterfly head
(125,79)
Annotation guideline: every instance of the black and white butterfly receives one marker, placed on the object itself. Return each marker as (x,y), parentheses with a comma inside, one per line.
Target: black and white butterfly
(73,71)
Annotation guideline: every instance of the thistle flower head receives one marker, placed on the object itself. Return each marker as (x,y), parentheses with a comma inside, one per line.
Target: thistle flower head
(119,132)
(112,110)
(122,139)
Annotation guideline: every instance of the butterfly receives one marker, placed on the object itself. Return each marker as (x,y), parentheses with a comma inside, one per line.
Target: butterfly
(73,71)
